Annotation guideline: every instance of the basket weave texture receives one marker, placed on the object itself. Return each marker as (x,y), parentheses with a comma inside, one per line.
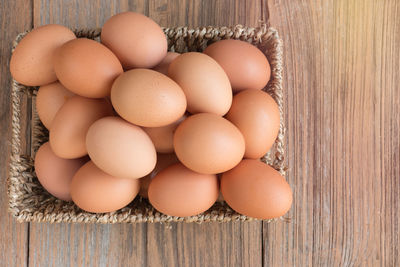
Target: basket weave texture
(29,202)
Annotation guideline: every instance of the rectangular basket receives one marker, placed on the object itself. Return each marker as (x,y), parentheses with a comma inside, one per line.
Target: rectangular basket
(29,202)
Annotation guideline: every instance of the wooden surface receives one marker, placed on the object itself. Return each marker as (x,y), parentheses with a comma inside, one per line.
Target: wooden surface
(342,70)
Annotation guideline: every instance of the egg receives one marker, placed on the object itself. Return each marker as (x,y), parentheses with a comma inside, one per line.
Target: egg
(257,190)
(147,98)
(86,67)
(204,83)
(164,64)
(207,143)
(163,137)
(120,148)
(178,191)
(54,173)
(163,161)
(256,115)
(246,66)
(96,191)
(49,100)
(67,135)
(136,39)
(32,60)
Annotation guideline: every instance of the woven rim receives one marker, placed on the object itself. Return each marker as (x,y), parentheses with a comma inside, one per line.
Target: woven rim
(29,202)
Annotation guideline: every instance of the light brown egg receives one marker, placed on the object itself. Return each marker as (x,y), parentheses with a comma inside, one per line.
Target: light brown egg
(246,66)
(163,161)
(208,143)
(86,67)
(136,39)
(257,190)
(163,137)
(147,98)
(68,130)
(164,64)
(256,115)
(96,191)
(49,100)
(54,173)
(178,191)
(204,83)
(32,60)
(120,149)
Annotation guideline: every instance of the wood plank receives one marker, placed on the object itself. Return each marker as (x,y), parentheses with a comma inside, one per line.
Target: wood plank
(80,244)
(204,13)
(147,244)
(87,245)
(214,244)
(15,17)
(77,14)
(207,244)
(342,101)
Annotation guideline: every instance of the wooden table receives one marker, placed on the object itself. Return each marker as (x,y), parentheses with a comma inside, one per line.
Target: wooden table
(342,94)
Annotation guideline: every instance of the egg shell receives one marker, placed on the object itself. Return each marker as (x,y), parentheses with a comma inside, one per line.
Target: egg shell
(204,83)
(49,100)
(246,66)
(163,137)
(255,189)
(32,60)
(86,67)
(256,114)
(96,191)
(54,173)
(164,64)
(147,98)
(208,143)
(178,191)
(163,161)
(68,130)
(120,149)
(137,40)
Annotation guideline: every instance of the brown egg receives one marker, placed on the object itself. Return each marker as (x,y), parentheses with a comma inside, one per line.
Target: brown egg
(86,67)
(120,149)
(96,191)
(163,161)
(163,137)
(246,66)
(32,60)
(136,39)
(204,83)
(178,191)
(164,64)
(68,130)
(49,100)
(147,98)
(256,115)
(257,190)
(208,143)
(54,173)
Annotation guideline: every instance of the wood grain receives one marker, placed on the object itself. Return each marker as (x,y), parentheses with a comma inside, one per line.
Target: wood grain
(13,236)
(177,244)
(208,244)
(342,62)
(341,77)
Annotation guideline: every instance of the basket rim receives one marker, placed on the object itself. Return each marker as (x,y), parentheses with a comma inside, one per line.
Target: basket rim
(22,165)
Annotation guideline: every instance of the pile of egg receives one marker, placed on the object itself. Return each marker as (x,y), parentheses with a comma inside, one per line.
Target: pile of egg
(126,117)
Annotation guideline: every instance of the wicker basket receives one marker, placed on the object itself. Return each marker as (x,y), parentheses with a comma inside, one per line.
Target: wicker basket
(29,202)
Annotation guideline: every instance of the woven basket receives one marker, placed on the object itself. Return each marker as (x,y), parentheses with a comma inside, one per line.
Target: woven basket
(29,202)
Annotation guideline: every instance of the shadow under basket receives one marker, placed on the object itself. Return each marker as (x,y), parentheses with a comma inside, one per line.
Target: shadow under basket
(29,202)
